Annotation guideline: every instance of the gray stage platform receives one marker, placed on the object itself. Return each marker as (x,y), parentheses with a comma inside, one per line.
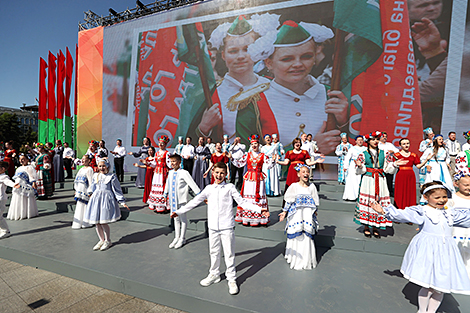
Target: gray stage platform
(139,264)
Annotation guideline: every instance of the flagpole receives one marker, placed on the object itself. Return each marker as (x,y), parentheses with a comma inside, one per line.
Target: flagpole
(331,122)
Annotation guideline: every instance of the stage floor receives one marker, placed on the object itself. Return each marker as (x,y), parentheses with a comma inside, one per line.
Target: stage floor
(347,279)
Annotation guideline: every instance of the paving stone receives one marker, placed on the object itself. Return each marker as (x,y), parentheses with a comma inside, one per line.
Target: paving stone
(133,305)
(99,302)
(14,304)
(5,290)
(23,278)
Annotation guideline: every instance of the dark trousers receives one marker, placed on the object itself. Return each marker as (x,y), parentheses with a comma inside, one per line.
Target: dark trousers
(68,167)
(233,173)
(389,178)
(188,165)
(119,167)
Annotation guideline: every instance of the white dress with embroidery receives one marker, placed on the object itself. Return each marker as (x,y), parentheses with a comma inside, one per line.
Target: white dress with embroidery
(301,226)
(462,235)
(23,201)
(271,172)
(81,184)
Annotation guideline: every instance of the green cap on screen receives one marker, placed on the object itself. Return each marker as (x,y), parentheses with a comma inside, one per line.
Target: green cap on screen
(239,27)
(291,34)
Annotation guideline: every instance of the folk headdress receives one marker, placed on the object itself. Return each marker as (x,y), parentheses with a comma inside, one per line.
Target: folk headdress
(164,138)
(254,138)
(371,135)
(290,34)
(466,135)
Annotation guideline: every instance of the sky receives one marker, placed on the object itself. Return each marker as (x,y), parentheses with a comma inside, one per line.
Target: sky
(30,29)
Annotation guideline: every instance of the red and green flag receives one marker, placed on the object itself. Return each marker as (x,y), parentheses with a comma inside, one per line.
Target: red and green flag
(42,114)
(51,105)
(75,102)
(378,72)
(68,90)
(60,95)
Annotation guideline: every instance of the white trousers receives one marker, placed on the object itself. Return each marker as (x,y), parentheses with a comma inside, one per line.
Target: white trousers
(226,239)
(3,224)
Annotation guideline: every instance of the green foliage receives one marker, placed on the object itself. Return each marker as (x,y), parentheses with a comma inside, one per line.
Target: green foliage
(10,129)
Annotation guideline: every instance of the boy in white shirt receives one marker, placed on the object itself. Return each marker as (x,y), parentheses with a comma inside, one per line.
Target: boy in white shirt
(4,182)
(176,188)
(221,223)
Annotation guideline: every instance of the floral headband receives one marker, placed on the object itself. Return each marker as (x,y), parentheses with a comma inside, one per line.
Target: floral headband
(467,135)
(300,165)
(371,135)
(253,138)
(435,137)
(164,138)
(461,174)
(39,145)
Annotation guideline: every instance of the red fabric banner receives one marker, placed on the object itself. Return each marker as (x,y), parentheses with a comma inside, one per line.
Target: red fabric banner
(60,84)
(51,105)
(42,114)
(68,81)
(76,82)
(388,90)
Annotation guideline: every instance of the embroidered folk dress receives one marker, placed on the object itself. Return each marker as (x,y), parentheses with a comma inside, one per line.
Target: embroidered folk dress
(82,182)
(432,259)
(44,182)
(142,154)
(11,164)
(23,200)
(272,173)
(156,200)
(341,151)
(150,168)
(439,170)
(373,188)
(462,235)
(254,188)
(301,226)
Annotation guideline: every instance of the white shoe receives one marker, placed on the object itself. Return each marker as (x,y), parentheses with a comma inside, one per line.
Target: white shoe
(209,280)
(5,235)
(173,243)
(98,245)
(232,287)
(180,243)
(105,245)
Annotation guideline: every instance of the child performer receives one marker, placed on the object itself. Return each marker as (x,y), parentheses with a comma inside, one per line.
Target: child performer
(156,201)
(176,188)
(4,182)
(301,210)
(83,181)
(23,200)
(461,199)
(221,223)
(432,260)
(149,165)
(103,207)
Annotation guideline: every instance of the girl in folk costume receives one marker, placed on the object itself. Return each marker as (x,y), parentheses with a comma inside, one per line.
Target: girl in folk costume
(23,201)
(301,209)
(425,144)
(373,188)
(295,157)
(353,179)
(299,102)
(405,179)
(142,154)
(461,199)
(254,187)
(103,207)
(225,144)
(466,146)
(279,151)
(83,181)
(438,165)
(432,259)
(216,157)
(9,155)
(341,151)
(43,167)
(179,146)
(149,166)
(239,97)
(93,155)
(157,202)
(272,173)
(202,154)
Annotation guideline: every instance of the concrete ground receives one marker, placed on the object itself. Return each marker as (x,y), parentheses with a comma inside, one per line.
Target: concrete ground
(28,289)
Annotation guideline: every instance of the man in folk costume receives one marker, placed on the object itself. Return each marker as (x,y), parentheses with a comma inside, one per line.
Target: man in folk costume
(240,108)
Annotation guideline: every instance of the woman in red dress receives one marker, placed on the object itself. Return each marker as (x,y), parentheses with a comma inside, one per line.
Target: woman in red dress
(10,153)
(157,202)
(294,157)
(217,156)
(405,179)
(150,167)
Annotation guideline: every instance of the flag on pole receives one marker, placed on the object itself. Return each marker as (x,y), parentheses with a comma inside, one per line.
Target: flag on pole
(68,90)
(75,102)
(60,95)
(42,114)
(51,106)
(378,73)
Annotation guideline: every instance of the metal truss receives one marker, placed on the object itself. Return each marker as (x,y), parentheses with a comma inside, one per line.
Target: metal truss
(92,20)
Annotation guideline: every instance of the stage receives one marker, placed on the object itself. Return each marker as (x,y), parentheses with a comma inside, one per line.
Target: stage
(354,273)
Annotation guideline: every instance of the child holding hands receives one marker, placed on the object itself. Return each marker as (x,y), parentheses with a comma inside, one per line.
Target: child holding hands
(81,184)
(221,223)
(432,259)
(301,210)
(176,188)
(103,207)
(4,182)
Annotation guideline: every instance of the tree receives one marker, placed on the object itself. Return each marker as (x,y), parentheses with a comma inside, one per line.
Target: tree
(10,129)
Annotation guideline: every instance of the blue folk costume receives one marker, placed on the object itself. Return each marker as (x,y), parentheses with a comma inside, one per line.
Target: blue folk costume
(142,154)
(82,182)
(341,151)
(301,226)
(373,188)
(23,200)
(271,172)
